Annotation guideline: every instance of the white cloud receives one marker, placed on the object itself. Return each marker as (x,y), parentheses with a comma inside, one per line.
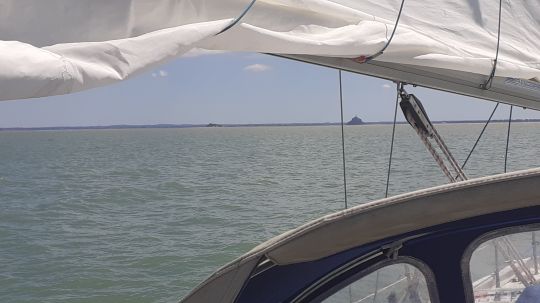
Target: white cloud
(387,85)
(257,68)
(161,73)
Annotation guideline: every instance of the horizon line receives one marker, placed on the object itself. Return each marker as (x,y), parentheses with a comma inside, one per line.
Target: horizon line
(212,124)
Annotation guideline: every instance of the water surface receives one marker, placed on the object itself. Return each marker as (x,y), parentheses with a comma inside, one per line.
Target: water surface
(144,215)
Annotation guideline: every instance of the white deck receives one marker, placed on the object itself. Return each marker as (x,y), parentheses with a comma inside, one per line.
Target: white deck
(510,287)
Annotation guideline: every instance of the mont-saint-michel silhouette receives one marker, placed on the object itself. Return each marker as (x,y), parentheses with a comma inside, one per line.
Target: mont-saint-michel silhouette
(355,121)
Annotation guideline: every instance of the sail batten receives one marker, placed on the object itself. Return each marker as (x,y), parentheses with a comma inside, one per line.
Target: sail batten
(63,46)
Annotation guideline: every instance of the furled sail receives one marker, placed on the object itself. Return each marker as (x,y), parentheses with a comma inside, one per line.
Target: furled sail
(484,48)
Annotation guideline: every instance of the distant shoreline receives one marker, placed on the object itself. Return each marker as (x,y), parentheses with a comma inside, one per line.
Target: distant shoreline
(213,125)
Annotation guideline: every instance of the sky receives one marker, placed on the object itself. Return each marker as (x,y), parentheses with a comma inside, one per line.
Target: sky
(238,88)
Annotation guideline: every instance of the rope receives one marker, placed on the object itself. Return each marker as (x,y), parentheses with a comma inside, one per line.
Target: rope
(487,84)
(446,152)
(435,155)
(508,138)
(364,59)
(343,140)
(480,136)
(235,21)
(399,86)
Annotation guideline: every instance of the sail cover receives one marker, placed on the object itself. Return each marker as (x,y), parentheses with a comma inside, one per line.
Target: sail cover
(64,46)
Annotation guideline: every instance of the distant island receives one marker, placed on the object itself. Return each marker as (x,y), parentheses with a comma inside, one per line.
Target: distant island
(352,122)
(355,121)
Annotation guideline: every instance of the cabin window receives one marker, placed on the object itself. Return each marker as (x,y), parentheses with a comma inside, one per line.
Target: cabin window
(397,282)
(505,267)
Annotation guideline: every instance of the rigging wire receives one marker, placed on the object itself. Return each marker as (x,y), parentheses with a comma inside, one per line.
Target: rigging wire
(343,154)
(487,84)
(508,138)
(342,139)
(399,87)
(235,21)
(376,286)
(480,136)
(364,59)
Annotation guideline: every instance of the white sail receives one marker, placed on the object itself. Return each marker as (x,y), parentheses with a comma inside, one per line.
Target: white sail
(63,46)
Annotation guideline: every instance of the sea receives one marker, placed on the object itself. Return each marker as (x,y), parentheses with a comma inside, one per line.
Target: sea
(144,215)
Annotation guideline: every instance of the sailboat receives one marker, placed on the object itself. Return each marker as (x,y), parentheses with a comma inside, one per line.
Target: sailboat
(423,246)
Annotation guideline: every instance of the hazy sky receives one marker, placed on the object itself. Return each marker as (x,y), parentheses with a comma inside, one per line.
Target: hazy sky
(237,88)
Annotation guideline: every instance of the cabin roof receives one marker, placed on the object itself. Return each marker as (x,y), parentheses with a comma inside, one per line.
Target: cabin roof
(374,221)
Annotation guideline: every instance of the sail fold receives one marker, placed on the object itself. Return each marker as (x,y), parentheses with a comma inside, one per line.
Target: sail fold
(64,46)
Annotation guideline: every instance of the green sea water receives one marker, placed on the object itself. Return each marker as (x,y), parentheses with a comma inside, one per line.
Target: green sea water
(144,215)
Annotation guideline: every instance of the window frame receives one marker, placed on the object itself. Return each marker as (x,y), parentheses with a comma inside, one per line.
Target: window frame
(471,248)
(426,271)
